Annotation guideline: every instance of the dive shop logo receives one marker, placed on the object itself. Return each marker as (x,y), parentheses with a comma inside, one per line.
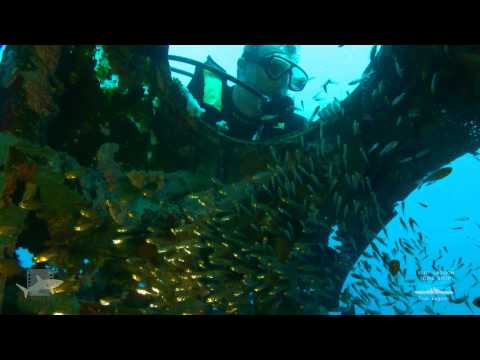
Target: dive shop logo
(433,294)
(433,291)
(40,282)
(435,275)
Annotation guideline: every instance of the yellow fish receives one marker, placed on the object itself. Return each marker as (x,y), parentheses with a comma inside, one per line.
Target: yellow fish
(72,174)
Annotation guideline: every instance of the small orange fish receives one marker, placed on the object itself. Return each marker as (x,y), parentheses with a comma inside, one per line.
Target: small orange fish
(476,302)
(394,267)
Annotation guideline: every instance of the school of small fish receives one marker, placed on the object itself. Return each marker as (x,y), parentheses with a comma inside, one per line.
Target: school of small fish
(403,292)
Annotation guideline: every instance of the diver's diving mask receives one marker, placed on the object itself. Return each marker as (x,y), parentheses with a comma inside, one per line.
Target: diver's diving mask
(276,66)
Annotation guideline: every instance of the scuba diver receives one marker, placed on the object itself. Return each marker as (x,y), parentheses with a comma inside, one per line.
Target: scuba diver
(257,106)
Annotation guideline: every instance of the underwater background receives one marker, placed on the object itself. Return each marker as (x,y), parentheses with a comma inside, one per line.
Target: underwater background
(452,198)
(444,211)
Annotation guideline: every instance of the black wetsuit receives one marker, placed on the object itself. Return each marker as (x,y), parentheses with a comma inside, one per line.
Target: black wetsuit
(239,125)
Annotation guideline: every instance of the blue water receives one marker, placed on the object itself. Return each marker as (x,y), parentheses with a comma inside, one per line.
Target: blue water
(2,49)
(456,196)
(452,198)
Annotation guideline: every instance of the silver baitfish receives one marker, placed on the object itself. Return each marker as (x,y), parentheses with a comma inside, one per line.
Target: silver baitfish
(389,147)
(398,99)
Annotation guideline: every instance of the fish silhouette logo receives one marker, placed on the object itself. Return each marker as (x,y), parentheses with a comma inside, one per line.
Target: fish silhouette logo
(40,283)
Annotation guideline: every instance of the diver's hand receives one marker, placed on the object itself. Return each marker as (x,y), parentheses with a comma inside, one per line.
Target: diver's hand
(193,107)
